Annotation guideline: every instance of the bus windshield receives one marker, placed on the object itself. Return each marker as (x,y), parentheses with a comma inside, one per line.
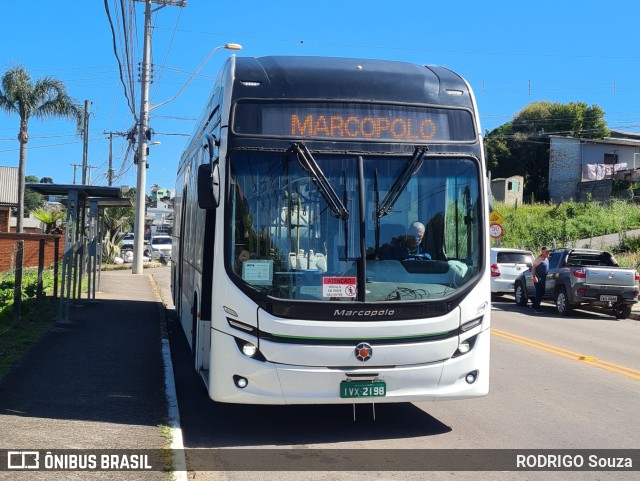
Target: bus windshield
(290,239)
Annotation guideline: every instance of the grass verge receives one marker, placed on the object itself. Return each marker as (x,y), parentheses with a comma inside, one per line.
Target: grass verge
(37,315)
(15,340)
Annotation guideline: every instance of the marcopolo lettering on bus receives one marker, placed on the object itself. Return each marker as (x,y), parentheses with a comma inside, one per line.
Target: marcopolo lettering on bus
(363,127)
(366,313)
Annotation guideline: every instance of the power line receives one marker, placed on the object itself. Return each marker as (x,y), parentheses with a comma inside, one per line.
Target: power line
(164,62)
(128,49)
(115,51)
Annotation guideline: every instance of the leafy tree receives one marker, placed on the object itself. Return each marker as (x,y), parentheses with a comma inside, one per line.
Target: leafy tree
(521,147)
(575,119)
(32,199)
(119,220)
(46,98)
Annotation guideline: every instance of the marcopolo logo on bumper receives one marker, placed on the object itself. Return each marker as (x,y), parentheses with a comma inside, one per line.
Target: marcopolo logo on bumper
(364,352)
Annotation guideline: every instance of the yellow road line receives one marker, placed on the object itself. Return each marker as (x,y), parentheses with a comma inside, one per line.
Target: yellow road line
(559,351)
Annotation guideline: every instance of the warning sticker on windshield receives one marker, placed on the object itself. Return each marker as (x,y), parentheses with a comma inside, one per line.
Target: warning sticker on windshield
(339,287)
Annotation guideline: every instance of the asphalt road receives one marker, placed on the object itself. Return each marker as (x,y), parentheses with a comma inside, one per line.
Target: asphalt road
(557,383)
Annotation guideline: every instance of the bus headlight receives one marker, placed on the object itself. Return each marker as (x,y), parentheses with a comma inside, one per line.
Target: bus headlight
(464,347)
(249,349)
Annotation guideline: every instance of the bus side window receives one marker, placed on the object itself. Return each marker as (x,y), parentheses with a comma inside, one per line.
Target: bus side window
(191,209)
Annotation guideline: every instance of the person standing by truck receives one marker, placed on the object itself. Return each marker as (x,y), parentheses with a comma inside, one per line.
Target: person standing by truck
(539,270)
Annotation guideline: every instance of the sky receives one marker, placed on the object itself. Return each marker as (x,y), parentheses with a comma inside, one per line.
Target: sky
(511,53)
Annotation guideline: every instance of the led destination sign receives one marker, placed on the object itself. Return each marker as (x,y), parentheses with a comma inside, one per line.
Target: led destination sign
(363,127)
(353,122)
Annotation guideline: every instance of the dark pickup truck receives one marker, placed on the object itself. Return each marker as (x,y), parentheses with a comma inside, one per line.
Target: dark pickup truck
(584,277)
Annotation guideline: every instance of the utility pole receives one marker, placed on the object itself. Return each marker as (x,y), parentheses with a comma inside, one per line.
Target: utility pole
(90,168)
(138,232)
(141,181)
(110,171)
(85,142)
(75,166)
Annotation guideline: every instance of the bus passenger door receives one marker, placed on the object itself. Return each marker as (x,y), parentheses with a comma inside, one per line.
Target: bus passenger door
(180,257)
(208,196)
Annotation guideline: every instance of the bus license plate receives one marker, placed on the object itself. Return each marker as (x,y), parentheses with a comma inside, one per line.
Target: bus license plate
(609,298)
(353,389)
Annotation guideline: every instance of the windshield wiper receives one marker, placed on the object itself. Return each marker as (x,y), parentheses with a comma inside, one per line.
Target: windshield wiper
(376,199)
(309,164)
(401,182)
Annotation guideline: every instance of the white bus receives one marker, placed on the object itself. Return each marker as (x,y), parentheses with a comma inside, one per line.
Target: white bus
(296,274)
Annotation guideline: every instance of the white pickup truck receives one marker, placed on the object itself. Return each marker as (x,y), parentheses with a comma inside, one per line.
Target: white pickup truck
(584,277)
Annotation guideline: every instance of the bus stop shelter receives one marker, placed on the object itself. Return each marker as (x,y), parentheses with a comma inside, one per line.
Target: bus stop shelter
(84,230)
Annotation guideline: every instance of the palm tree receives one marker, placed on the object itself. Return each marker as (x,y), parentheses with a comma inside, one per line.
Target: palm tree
(49,218)
(46,98)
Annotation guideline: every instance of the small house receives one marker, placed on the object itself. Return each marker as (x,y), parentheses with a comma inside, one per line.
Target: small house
(508,190)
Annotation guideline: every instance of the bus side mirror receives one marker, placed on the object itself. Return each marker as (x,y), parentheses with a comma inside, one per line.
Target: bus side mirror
(208,186)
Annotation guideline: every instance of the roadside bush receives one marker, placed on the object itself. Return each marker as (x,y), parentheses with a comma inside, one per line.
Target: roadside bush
(29,285)
(6,293)
(534,225)
(628,244)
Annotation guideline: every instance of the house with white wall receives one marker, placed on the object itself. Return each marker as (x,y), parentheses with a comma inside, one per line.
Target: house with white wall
(160,217)
(584,168)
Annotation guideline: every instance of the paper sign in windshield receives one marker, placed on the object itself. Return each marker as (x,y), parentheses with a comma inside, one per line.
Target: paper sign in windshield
(258,272)
(339,287)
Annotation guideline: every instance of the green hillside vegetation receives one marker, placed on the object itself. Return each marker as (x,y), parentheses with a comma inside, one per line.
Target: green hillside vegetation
(531,226)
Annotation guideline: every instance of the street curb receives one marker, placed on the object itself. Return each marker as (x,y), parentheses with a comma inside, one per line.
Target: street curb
(177,443)
(173,413)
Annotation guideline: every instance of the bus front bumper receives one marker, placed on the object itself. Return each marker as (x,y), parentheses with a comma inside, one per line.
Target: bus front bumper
(270,383)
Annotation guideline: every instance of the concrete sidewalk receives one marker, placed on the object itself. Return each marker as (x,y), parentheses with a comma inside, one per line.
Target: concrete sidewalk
(96,382)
